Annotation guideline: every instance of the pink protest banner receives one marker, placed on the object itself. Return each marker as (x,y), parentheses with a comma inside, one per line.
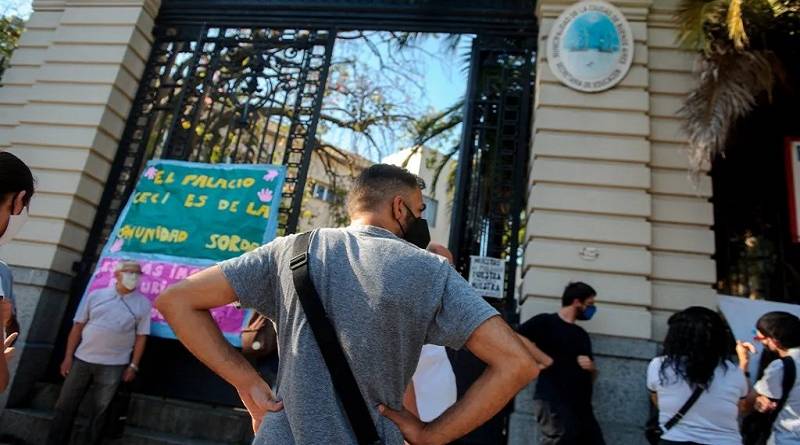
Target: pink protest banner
(156,277)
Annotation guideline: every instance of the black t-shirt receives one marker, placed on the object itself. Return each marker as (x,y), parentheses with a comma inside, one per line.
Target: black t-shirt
(564,381)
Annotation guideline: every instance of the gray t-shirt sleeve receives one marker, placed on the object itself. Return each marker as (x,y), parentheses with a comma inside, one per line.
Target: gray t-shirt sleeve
(253,277)
(461,312)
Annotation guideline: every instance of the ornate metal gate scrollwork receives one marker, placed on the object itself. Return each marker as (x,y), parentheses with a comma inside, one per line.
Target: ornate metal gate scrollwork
(489,203)
(222,94)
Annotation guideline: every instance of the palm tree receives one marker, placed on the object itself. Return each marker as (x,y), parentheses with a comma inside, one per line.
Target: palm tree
(748,52)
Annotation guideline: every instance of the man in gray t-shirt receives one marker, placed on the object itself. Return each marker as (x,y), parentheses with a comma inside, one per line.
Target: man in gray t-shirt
(385,296)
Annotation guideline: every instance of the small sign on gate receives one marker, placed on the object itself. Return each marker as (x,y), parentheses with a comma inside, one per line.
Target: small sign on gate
(793,185)
(487,275)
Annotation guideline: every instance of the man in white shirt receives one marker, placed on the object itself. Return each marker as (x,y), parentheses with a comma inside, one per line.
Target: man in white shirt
(104,348)
(433,387)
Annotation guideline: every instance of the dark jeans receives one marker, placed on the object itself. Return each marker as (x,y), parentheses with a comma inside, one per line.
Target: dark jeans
(105,379)
(562,424)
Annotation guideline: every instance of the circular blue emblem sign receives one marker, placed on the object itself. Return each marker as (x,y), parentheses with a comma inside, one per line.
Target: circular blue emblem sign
(590,47)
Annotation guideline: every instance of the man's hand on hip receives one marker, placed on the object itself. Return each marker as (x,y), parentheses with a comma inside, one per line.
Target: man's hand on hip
(186,307)
(412,428)
(259,400)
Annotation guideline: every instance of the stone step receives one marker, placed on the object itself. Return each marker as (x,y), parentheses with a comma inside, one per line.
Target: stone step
(29,426)
(188,420)
(44,396)
(139,436)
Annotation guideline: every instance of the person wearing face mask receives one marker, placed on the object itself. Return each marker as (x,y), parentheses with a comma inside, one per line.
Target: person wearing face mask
(104,348)
(778,332)
(563,397)
(385,298)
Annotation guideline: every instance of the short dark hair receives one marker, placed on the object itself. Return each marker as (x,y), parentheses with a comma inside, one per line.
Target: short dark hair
(15,177)
(377,184)
(781,326)
(577,290)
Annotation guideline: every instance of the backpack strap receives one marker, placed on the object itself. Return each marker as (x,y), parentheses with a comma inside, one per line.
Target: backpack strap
(684,409)
(342,376)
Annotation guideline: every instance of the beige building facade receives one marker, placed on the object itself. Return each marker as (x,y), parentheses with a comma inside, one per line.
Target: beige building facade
(63,106)
(610,201)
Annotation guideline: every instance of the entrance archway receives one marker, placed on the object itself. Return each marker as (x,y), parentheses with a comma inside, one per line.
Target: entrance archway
(204,97)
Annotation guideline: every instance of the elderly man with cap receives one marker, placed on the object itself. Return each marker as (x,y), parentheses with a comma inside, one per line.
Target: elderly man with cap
(104,348)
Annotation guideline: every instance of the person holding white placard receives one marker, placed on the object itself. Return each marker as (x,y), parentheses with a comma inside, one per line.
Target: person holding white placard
(780,333)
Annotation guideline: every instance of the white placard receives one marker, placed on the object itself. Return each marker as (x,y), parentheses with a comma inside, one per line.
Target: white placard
(742,314)
(487,275)
(793,185)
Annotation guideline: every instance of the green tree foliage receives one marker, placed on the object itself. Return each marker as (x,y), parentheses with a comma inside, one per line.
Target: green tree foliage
(749,51)
(11,27)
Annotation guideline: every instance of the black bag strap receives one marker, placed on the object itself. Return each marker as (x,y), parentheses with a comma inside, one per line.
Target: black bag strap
(789,376)
(684,409)
(342,376)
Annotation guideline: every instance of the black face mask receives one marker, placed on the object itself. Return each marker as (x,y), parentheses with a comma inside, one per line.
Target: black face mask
(416,232)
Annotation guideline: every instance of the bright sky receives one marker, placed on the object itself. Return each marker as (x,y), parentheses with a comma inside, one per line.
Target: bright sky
(435,79)
(22,8)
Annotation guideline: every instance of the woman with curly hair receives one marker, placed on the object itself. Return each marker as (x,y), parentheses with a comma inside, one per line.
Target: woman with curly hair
(698,353)
(779,332)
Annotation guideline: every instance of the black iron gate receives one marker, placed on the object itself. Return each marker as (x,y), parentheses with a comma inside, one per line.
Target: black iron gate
(489,207)
(222,94)
(215,94)
(242,81)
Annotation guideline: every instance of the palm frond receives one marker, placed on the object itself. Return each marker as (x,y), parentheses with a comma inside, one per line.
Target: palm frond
(442,164)
(729,84)
(692,17)
(735,24)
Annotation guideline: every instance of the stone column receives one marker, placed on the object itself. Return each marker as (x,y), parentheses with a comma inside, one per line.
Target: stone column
(589,220)
(682,216)
(62,110)
(610,180)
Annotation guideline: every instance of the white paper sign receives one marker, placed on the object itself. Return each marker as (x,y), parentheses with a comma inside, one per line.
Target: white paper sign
(742,314)
(487,275)
(793,185)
